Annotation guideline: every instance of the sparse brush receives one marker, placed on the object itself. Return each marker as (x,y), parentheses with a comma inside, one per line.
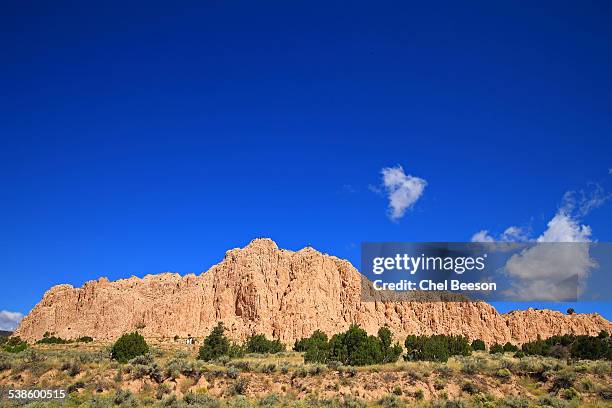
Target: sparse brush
(513,402)
(503,374)
(238,387)
(350,401)
(269,401)
(201,400)
(391,401)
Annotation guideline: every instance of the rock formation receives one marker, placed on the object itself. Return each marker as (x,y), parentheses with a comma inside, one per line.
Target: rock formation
(283,294)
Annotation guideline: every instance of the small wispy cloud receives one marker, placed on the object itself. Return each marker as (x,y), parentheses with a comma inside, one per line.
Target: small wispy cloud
(511,234)
(402,190)
(9,320)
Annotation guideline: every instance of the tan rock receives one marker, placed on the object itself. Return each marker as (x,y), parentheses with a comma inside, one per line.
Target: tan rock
(283,294)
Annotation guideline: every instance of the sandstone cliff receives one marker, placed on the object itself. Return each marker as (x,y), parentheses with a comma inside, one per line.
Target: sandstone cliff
(283,294)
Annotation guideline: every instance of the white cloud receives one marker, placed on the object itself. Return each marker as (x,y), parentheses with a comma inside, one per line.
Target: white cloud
(9,320)
(511,234)
(482,236)
(402,190)
(553,272)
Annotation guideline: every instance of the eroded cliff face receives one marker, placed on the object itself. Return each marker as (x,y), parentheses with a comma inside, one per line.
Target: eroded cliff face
(283,294)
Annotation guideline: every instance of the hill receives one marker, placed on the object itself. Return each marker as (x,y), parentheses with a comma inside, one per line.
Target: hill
(283,294)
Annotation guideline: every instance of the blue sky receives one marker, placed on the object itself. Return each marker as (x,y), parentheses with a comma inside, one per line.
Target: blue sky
(150,137)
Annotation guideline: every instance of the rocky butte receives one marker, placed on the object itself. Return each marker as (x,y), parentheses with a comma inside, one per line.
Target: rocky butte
(283,294)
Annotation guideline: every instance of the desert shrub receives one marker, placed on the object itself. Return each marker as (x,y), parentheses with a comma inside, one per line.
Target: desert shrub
(162,390)
(177,366)
(258,343)
(355,347)
(73,367)
(215,344)
(513,402)
(509,347)
(436,348)
(304,344)
(439,384)
(569,345)
(478,345)
(503,373)
(569,394)
(129,346)
(201,400)
(496,349)
(238,387)
(585,385)
(236,351)
(391,401)
(548,401)
(15,345)
(316,369)
(606,393)
(125,398)
(232,373)
(352,402)
(563,379)
(52,340)
(390,352)
(469,387)
(418,394)
(145,366)
(519,354)
(471,365)
(269,401)
(444,371)
(5,362)
(84,339)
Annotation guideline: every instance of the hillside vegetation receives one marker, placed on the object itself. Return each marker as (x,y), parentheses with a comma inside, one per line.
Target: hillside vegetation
(348,370)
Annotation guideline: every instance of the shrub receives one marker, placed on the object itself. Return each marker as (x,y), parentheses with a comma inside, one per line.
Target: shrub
(469,387)
(84,339)
(303,344)
(258,343)
(391,401)
(519,354)
(236,351)
(215,345)
(569,345)
(269,401)
(563,379)
(353,347)
(15,345)
(201,400)
(504,374)
(436,348)
(569,394)
(509,347)
(238,387)
(52,340)
(125,398)
(513,402)
(478,345)
(391,352)
(496,349)
(129,346)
